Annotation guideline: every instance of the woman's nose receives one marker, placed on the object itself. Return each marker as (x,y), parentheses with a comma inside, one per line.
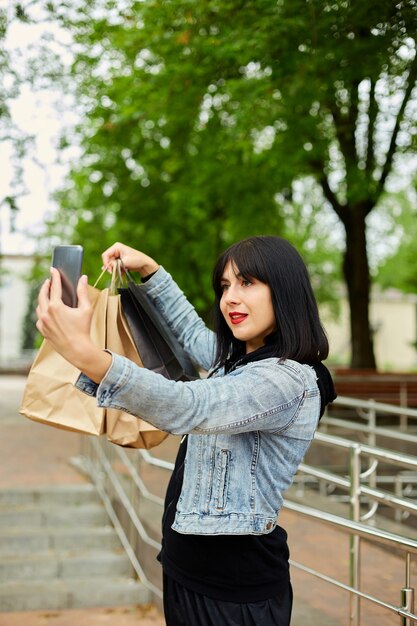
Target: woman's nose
(232,296)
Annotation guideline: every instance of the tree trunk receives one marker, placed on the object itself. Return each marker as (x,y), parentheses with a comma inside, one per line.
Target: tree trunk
(356,273)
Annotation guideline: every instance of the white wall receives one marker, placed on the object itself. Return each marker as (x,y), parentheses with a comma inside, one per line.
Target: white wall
(13,304)
(394,319)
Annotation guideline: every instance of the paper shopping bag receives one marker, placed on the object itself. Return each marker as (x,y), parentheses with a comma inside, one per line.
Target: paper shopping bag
(50,396)
(122,428)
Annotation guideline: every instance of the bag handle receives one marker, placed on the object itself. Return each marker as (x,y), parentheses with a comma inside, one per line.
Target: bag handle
(101,276)
(126,272)
(117,278)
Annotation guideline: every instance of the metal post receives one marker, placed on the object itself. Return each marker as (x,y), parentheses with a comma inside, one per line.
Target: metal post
(371,426)
(398,490)
(407,593)
(403,403)
(354,542)
(372,443)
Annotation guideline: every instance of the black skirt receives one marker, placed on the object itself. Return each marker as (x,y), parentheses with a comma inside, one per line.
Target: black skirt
(183,607)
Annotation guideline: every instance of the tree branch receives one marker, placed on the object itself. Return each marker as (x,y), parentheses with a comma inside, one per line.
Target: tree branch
(412,77)
(345,125)
(344,140)
(339,209)
(372,112)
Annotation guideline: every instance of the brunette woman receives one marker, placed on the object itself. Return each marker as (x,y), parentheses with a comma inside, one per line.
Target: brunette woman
(247,425)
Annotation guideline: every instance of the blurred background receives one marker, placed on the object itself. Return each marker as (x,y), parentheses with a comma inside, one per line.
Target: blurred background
(180,127)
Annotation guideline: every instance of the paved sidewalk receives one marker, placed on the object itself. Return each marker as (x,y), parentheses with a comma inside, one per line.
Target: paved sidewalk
(117,616)
(34,454)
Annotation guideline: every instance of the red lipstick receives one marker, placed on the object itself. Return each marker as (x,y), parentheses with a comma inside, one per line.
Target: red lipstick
(236,317)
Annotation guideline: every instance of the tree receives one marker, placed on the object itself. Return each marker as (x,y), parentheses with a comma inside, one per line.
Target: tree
(166,163)
(201,114)
(9,136)
(398,268)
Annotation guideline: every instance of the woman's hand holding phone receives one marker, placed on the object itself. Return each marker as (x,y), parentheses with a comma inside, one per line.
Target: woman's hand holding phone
(68,329)
(60,324)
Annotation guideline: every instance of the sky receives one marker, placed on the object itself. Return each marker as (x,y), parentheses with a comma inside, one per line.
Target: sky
(34,113)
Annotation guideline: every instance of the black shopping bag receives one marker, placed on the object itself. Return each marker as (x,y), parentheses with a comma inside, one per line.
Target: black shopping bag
(159,349)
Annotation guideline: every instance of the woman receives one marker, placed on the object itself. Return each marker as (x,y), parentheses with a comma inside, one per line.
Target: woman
(248,424)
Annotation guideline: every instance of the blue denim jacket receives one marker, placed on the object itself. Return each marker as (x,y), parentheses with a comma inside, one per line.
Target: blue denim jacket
(248,430)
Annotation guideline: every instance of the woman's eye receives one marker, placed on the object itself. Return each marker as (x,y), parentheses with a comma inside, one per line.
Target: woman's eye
(224,287)
(246,282)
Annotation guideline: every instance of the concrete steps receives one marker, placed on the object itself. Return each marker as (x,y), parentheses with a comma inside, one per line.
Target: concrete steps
(63,565)
(59,551)
(70,594)
(51,515)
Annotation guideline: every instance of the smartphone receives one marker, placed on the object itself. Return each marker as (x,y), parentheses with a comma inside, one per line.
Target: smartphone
(69,261)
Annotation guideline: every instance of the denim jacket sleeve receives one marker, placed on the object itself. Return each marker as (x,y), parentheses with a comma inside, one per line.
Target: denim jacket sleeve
(264,395)
(180,315)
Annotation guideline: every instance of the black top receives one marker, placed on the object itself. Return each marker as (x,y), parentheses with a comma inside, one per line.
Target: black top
(234,568)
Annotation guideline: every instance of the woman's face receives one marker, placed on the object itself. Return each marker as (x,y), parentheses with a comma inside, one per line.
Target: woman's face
(247,307)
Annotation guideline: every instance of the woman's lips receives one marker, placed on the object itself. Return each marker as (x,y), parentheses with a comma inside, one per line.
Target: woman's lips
(237,318)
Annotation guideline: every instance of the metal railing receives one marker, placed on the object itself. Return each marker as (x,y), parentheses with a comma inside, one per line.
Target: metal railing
(357,531)
(118,477)
(369,410)
(374,455)
(371,413)
(353,484)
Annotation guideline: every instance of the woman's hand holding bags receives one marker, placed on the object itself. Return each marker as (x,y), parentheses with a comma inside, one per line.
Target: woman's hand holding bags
(50,396)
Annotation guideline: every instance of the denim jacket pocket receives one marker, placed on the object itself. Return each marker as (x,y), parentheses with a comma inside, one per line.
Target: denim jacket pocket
(222,478)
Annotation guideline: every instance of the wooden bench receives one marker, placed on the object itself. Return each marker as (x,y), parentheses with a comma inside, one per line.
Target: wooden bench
(391,388)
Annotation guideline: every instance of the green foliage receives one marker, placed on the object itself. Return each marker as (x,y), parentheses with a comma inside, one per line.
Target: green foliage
(199,117)
(398,269)
(180,146)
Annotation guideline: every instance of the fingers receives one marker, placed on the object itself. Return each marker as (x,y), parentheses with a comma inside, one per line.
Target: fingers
(115,251)
(56,286)
(43,297)
(42,308)
(82,293)
(132,259)
(50,293)
(56,321)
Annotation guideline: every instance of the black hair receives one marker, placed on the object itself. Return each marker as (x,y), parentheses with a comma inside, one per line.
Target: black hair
(275,262)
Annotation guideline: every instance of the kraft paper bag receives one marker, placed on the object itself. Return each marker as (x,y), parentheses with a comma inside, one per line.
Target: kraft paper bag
(50,396)
(122,428)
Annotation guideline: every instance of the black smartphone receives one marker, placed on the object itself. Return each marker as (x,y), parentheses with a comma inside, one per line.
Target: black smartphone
(69,261)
